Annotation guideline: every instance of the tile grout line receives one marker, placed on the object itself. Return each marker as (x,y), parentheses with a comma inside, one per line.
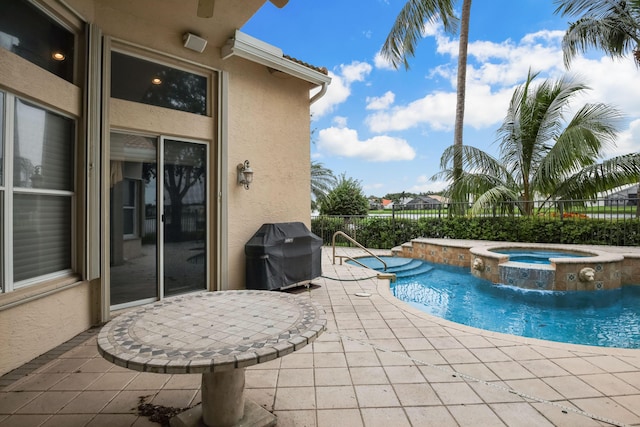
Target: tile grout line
(489,384)
(31,366)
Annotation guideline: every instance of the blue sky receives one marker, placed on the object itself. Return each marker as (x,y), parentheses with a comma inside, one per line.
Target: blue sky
(388,128)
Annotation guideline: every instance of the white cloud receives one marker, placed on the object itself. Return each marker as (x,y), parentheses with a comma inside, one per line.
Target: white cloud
(337,93)
(435,109)
(424,184)
(340,87)
(355,72)
(340,121)
(432,28)
(345,142)
(493,72)
(628,141)
(611,81)
(374,186)
(382,63)
(380,102)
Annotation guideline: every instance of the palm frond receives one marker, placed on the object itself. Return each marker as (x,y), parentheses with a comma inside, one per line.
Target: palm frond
(408,28)
(322,180)
(493,197)
(591,130)
(612,26)
(597,178)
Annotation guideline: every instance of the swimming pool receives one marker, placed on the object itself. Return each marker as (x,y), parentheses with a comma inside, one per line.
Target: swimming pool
(607,318)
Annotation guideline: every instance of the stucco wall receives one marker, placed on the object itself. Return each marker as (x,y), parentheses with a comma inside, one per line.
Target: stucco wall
(269,126)
(33,328)
(267,119)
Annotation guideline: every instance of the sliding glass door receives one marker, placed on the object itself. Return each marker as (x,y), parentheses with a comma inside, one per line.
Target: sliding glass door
(184,217)
(158,244)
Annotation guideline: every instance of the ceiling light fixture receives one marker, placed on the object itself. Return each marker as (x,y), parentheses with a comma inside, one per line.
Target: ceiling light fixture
(58,56)
(156,80)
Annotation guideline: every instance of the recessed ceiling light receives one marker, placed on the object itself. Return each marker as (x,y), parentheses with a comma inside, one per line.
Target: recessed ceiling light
(58,56)
(156,80)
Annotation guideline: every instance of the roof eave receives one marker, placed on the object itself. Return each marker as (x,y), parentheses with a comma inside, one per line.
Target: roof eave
(252,49)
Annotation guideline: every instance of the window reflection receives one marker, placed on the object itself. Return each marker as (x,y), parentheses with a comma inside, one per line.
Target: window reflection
(137,80)
(31,34)
(42,151)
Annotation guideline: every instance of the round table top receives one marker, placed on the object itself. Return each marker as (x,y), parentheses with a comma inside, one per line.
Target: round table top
(211,331)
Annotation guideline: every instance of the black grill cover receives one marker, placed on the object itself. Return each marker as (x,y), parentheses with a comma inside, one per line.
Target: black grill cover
(282,254)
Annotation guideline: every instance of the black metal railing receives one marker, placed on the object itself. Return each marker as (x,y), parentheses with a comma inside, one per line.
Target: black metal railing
(604,221)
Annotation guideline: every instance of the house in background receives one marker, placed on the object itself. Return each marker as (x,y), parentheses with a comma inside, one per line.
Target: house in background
(130,131)
(626,196)
(374,203)
(423,202)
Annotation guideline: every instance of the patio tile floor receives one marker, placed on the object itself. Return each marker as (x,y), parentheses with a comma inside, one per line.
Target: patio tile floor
(380,363)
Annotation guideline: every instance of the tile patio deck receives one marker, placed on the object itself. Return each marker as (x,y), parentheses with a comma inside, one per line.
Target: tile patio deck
(380,363)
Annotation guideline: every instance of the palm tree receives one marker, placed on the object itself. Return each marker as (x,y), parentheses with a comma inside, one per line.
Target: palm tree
(405,34)
(542,155)
(322,181)
(609,25)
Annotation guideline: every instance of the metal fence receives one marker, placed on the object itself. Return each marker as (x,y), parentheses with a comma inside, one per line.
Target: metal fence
(190,222)
(605,208)
(614,221)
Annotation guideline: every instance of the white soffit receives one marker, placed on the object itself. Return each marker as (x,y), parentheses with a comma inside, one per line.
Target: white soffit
(247,47)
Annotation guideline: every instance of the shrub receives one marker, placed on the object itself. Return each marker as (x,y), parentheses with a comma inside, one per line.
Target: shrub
(387,232)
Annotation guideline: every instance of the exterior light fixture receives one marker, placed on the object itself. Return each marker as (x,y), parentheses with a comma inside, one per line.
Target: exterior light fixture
(156,80)
(58,56)
(245,174)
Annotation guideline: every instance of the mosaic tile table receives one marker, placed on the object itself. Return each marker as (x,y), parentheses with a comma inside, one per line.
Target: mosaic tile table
(216,334)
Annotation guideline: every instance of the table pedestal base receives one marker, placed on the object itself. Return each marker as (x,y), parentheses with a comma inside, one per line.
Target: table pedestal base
(224,405)
(254,416)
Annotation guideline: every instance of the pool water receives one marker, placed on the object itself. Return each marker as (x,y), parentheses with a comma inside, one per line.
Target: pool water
(535,256)
(609,318)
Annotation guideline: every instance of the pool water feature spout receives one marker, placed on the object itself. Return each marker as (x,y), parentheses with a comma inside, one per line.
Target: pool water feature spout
(546,267)
(541,276)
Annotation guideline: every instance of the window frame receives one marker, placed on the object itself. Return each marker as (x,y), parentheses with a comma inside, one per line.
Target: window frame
(133,209)
(6,254)
(145,55)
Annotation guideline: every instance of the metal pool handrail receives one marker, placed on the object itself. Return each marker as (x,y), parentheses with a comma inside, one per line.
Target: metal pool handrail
(352,240)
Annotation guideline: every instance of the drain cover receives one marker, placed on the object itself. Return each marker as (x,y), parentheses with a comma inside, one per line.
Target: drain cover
(362,294)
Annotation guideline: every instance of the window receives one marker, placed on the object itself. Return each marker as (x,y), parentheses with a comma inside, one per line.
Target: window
(138,80)
(28,32)
(129,208)
(36,193)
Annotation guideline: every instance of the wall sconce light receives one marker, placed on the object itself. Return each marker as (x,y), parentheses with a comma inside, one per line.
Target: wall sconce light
(245,174)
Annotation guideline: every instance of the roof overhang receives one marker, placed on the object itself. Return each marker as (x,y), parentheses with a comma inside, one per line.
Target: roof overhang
(254,50)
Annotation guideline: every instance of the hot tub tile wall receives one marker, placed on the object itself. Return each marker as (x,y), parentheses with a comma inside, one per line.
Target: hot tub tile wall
(630,272)
(438,253)
(611,271)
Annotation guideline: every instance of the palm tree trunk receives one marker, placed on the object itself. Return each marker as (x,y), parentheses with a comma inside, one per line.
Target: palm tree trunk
(461,92)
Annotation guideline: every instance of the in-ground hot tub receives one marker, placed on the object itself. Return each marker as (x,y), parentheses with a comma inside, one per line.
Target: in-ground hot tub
(546,267)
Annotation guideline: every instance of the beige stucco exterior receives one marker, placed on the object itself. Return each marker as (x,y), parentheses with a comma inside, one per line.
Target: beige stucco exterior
(256,115)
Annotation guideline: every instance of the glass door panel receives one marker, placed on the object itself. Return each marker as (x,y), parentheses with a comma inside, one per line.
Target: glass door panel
(133,219)
(184,200)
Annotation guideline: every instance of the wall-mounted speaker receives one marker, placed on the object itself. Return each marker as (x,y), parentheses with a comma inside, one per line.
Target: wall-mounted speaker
(193,42)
